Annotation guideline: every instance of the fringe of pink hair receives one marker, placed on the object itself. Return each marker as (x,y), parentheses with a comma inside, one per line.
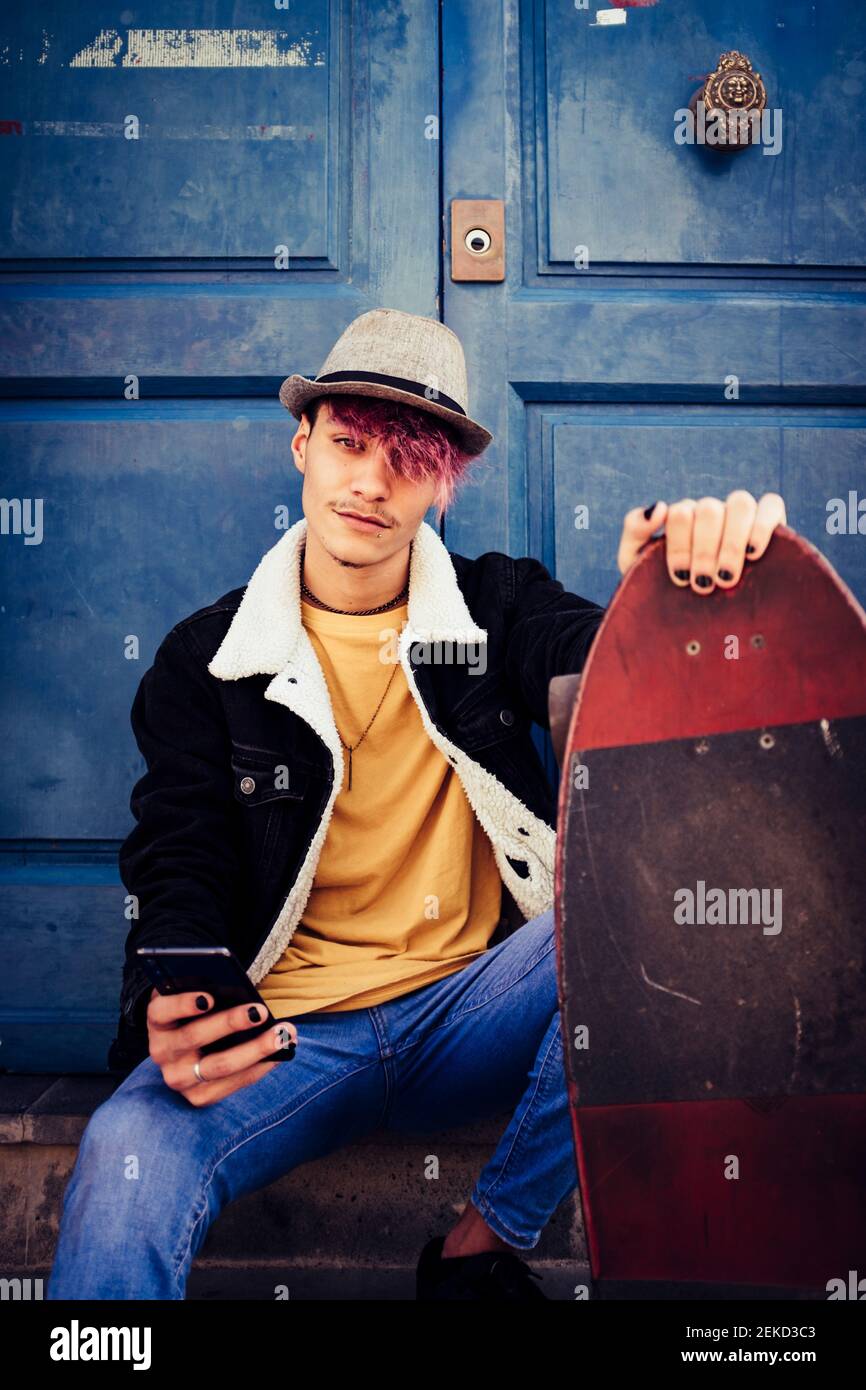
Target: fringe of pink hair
(419,448)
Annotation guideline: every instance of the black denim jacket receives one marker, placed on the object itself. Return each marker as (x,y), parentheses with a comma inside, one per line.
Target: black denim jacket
(223,852)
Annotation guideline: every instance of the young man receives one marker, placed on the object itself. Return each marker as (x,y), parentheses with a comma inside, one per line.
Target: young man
(342,786)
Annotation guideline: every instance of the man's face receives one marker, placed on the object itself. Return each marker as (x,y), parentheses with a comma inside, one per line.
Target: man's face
(346,473)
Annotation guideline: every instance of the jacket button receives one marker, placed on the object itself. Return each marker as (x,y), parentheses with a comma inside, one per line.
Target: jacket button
(507,716)
(247,784)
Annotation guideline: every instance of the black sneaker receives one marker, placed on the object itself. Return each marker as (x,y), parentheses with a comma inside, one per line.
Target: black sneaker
(492,1275)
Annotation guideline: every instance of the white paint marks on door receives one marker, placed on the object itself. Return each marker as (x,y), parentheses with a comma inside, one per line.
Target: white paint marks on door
(110,130)
(609,17)
(196,48)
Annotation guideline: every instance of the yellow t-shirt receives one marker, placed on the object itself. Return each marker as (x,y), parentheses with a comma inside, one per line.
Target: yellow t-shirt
(406,888)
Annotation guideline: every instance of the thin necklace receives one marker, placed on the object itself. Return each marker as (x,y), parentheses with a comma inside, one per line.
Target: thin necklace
(366,612)
(350,748)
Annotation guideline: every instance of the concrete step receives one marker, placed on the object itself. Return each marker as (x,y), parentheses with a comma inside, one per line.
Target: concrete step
(238,1283)
(350,1225)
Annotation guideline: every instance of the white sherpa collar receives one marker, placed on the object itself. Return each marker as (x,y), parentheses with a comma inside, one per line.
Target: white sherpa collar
(265,632)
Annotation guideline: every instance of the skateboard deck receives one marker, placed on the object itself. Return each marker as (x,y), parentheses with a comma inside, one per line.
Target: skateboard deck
(711,931)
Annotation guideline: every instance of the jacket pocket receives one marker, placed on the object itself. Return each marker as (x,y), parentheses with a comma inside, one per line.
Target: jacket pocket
(260,776)
(275,791)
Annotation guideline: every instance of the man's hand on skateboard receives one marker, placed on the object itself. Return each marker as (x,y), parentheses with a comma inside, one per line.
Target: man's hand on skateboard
(707,542)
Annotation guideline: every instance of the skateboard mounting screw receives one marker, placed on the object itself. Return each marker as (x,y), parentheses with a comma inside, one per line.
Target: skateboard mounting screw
(767,741)
(702,747)
(757,640)
(693,647)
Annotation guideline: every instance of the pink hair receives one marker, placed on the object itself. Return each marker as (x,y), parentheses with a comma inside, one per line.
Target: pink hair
(418,445)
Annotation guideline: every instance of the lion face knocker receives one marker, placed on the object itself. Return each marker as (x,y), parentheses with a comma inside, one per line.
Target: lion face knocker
(733,97)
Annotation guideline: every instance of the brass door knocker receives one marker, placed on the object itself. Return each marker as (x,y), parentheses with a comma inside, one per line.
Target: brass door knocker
(733,97)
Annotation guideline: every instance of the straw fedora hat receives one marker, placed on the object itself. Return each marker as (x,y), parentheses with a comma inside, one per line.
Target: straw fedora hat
(402,357)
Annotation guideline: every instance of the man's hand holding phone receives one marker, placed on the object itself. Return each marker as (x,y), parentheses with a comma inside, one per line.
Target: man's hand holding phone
(175,1047)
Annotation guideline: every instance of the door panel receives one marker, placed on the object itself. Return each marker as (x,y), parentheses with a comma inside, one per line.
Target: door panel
(612,178)
(156,138)
(145,517)
(687,451)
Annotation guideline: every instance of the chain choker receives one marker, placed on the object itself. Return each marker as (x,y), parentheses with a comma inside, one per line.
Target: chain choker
(350,612)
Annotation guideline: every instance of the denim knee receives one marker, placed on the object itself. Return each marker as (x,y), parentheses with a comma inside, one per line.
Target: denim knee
(134,1210)
(140,1136)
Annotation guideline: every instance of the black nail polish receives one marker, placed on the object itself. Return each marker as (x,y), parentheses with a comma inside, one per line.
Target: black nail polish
(681,574)
(726,575)
(703,581)
(201,1002)
(648,511)
(253,1013)
(750,549)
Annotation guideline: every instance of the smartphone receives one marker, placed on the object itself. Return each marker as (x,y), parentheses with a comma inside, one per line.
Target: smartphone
(216,970)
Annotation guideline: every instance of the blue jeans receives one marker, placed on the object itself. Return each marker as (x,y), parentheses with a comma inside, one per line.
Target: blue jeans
(153,1171)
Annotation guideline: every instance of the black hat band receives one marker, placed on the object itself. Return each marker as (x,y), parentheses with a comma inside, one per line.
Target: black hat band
(399,383)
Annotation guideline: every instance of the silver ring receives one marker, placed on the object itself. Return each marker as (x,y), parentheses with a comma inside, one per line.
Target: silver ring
(197,1070)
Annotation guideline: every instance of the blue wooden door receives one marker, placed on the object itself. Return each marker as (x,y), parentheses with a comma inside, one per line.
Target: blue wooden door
(674,320)
(196,200)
